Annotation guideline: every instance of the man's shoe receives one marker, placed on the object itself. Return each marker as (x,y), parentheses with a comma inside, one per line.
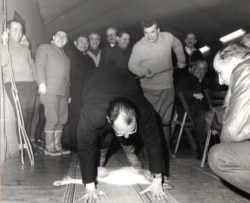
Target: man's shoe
(166,183)
(52,153)
(64,152)
(38,144)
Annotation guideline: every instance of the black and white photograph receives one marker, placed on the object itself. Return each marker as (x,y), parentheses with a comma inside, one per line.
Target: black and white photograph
(125,101)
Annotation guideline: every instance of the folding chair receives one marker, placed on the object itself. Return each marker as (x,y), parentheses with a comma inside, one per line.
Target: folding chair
(185,123)
(214,98)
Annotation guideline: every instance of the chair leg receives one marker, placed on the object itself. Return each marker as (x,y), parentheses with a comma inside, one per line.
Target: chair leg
(173,124)
(204,157)
(190,139)
(180,133)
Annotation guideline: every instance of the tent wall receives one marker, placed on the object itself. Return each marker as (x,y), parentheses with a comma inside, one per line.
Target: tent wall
(34,26)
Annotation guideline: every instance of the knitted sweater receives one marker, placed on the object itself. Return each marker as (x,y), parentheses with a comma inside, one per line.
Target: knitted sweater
(157,58)
(20,61)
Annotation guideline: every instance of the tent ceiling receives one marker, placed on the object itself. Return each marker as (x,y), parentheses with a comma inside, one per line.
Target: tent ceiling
(209,19)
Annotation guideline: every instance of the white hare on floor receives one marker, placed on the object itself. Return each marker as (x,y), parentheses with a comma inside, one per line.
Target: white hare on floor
(118,176)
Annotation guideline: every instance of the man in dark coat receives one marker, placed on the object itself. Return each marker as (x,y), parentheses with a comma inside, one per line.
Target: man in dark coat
(110,99)
(80,65)
(118,56)
(192,85)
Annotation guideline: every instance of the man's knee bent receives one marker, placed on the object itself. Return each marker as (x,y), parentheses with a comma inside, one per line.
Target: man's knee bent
(213,156)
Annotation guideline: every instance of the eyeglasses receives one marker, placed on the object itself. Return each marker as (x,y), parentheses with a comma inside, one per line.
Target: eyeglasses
(121,134)
(111,35)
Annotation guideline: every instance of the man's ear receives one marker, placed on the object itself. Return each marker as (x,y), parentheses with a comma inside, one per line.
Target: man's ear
(66,41)
(158,30)
(53,38)
(108,119)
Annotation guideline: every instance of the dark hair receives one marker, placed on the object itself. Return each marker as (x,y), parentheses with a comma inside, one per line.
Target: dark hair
(12,21)
(54,33)
(82,35)
(197,63)
(234,50)
(121,105)
(123,31)
(199,71)
(191,33)
(149,22)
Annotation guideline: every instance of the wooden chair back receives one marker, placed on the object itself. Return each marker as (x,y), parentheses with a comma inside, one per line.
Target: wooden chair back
(214,98)
(186,122)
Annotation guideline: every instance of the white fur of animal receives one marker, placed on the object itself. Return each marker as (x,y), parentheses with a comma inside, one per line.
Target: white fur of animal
(120,176)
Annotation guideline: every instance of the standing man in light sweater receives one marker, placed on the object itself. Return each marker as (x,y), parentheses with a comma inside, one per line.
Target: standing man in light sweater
(151,61)
(53,77)
(21,63)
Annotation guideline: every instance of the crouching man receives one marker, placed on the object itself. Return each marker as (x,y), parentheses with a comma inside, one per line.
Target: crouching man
(230,159)
(112,101)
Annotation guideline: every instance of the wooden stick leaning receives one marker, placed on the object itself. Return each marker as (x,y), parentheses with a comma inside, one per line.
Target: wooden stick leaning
(2,96)
(23,138)
(21,129)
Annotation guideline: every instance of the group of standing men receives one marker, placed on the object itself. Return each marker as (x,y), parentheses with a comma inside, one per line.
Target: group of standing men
(60,79)
(111,101)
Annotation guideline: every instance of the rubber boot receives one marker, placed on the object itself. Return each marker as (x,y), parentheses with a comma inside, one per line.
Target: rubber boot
(131,156)
(58,143)
(50,149)
(103,154)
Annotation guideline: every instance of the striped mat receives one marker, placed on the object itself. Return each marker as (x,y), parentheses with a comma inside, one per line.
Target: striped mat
(116,194)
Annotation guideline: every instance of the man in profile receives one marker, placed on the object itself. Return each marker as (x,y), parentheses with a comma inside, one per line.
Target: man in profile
(230,159)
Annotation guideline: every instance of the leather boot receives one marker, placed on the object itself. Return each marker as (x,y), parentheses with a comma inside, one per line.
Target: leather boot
(50,149)
(58,143)
(103,154)
(131,156)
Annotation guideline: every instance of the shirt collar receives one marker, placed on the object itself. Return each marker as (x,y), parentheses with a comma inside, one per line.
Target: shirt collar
(189,51)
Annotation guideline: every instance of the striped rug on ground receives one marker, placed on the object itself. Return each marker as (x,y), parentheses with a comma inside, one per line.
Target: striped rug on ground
(117,194)
(70,189)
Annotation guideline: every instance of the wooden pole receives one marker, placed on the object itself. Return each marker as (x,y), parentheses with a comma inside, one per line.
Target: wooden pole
(24,142)
(2,113)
